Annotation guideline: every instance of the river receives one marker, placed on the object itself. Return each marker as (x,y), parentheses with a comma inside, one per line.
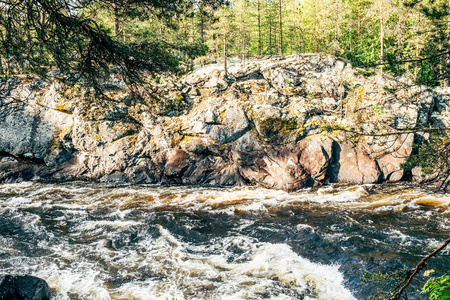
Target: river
(92,241)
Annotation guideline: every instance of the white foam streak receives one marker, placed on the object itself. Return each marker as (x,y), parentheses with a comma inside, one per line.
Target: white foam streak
(86,284)
(278,260)
(92,225)
(221,200)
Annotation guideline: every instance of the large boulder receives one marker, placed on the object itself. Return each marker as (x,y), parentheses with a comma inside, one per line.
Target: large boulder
(233,124)
(315,157)
(31,125)
(23,288)
(276,168)
(390,152)
(355,166)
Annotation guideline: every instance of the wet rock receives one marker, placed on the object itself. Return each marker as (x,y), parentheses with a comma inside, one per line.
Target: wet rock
(23,288)
(18,171)
(277,168)
(114,177)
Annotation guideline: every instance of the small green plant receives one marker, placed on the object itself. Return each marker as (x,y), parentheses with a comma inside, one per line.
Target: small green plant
(366,73)
(378,110)
(433,156)
(390,89)
(438,288)
(387,283)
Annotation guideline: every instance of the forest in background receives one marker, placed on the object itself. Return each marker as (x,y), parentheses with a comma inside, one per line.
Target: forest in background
(409,37)
(84,38)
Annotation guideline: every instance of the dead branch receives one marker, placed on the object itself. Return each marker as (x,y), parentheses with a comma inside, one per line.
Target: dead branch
(419,267)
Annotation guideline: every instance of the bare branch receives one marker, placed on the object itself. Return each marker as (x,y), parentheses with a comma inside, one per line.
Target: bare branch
(419,267)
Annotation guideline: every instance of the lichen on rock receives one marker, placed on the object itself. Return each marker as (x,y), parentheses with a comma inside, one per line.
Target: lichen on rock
(282,122)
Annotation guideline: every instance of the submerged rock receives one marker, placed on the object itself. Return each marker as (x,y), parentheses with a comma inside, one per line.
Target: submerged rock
(23,288)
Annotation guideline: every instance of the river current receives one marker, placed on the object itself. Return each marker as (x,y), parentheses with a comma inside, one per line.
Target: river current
(91,241)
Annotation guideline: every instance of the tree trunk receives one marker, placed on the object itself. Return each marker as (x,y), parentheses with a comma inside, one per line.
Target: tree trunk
(335,45)
(351,35)
(225,54)
(381,36)
(281,28)
(416,67)
(202,26)
(243,32)
(270,33)
(116,21)
(259,29)
(243,52)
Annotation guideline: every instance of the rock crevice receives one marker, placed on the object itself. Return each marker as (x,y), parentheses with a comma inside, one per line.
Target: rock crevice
(281,122)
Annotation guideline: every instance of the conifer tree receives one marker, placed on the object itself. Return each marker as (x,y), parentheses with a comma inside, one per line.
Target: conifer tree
(38,34)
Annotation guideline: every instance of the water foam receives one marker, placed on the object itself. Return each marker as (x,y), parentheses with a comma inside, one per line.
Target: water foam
(96,260)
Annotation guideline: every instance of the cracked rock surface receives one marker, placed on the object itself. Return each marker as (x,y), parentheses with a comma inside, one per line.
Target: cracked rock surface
(264,124)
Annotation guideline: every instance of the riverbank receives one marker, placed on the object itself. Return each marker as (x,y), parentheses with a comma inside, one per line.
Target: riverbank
(277,122)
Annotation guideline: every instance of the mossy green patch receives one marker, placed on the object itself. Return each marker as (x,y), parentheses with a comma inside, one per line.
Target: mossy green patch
(275,125)
(366,73)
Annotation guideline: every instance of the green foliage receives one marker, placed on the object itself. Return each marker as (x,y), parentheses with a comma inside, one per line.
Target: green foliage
(387,283)
(431,156)
(415,32)
(76,37)
(438,288)
(366,73)
(84,39)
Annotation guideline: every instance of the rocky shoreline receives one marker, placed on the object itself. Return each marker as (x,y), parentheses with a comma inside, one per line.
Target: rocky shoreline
(278,122)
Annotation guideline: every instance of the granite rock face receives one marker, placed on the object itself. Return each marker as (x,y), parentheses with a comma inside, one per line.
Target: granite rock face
(279,122)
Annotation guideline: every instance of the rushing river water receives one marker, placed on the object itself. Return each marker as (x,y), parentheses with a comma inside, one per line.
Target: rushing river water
(93,241)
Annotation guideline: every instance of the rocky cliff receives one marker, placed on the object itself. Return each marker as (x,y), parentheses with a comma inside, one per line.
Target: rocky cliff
(279,122)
